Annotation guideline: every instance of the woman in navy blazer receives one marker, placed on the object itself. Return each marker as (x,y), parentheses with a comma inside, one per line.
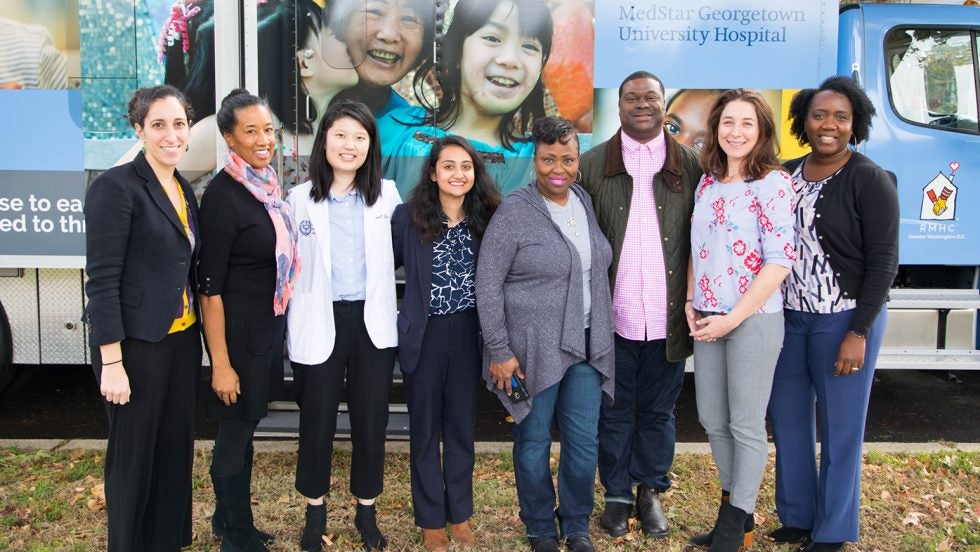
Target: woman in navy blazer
(436,237)
(146,354)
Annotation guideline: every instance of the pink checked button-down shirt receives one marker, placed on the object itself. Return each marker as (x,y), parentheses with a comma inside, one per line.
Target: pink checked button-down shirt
(640,294)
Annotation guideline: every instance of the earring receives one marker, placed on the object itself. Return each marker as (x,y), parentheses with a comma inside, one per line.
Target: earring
(578,176)
(308,53)
(187,147)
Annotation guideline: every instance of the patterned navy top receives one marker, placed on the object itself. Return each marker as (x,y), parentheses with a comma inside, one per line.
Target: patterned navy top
(812,285)
(453,271)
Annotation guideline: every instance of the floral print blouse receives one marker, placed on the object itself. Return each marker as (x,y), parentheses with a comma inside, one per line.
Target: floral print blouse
(735,229)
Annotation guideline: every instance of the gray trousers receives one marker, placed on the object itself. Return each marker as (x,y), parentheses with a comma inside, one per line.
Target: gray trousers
(733,379)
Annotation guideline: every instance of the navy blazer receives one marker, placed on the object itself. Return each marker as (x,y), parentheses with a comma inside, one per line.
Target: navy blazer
(416,256)
(139,260)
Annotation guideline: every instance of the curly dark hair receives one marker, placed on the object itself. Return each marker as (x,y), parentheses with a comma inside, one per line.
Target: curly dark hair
(763,158)
(861,107)
(479,203)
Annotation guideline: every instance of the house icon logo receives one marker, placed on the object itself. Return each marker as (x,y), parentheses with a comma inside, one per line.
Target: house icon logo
(939,196)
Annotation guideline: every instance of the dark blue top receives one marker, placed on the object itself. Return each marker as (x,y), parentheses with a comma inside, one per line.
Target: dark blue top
(453,271)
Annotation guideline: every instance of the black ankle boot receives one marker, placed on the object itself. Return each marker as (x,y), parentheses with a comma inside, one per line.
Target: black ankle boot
(704,539)
(729,532)
(316,526)
(239,533)
(366,522)
(218,521)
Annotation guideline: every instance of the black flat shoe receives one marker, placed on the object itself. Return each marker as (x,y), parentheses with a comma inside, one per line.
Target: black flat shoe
(366,523)
(788,535)
(821,547)
(544,544)
(580,543)
(615,519)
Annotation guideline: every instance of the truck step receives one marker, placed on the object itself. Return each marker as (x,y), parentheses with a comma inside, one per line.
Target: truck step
(284,423)
(907,298)
(928,359)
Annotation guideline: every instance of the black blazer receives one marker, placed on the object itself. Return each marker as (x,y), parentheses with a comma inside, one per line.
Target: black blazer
(139,260)
(416,256)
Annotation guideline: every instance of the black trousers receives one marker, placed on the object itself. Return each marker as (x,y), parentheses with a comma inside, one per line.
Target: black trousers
(319,389)
(150,454)
(441,395)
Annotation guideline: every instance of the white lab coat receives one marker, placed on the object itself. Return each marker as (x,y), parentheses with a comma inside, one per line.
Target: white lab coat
(310,332)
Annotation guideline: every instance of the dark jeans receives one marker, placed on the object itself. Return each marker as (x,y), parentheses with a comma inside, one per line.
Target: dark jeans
(636,433)
(574,404)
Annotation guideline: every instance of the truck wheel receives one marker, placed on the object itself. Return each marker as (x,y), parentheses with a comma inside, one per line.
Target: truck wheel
(7,370)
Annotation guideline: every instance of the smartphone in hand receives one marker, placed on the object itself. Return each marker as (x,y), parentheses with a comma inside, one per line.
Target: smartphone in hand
(518,391)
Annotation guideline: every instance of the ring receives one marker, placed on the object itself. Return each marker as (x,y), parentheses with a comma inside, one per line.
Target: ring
(854,368)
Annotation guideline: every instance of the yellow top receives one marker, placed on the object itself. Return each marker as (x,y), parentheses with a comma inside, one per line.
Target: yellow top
(188,317)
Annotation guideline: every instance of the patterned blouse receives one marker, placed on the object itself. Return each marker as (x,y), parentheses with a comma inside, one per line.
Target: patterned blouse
(812,285)
(735,229)
(453,271)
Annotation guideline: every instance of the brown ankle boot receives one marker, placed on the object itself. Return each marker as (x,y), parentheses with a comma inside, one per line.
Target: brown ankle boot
(435,540)
(462,534)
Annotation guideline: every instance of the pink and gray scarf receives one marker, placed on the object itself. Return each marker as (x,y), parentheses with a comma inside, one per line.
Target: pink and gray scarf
(264,185)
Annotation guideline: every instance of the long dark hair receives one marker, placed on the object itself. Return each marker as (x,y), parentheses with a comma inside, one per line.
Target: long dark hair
(277,69)
(468,17)
(367,181)
(763,158)
(479,203)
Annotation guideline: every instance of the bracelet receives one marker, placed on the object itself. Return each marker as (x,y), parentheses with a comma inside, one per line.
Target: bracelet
(111,363)
(689,301)
(857,334)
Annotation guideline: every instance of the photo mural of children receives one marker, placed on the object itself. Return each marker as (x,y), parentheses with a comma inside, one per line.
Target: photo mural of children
(489,78)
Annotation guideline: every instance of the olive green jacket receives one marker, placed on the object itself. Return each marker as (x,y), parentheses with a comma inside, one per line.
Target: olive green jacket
(604,176)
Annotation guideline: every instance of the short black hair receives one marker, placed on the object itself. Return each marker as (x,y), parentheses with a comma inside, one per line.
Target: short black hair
(861,107)
(637,75)
(238,98)
(548,130)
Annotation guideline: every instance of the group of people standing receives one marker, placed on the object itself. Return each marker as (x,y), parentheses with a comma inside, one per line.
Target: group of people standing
(578,298)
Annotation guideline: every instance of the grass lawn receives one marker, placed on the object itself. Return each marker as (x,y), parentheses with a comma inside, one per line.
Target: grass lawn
(53,501)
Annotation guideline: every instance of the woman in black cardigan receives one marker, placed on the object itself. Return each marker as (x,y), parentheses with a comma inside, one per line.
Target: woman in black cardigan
(248,266)
(846,258)
(146,347)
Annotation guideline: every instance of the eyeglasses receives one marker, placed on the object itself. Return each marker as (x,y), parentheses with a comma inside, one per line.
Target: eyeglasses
(630,99)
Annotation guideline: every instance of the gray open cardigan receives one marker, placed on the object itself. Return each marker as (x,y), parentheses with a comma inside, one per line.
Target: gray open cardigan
(529,297)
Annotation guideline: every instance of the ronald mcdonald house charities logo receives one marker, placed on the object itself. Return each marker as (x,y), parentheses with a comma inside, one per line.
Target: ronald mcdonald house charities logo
(939,196)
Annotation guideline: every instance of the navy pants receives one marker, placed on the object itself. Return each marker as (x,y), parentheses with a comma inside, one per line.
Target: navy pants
(637,432)
(441,396)
(826,501)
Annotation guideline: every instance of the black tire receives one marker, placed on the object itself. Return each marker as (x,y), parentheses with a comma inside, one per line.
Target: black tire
(7,370)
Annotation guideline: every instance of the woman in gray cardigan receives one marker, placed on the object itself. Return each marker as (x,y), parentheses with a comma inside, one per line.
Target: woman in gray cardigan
(543,297)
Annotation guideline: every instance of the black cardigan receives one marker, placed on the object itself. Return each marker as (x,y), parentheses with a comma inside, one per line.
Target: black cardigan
(857,219)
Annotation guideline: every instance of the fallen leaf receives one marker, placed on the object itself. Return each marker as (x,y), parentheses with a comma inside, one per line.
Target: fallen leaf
(913,518)
(885,495)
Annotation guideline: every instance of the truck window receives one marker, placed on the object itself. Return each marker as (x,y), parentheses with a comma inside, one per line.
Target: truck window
(932,77)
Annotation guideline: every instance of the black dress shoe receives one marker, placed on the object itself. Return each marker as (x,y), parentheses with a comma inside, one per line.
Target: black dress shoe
(581,543)
(544,544)
(788,535)
(821,547)
(615,519)
(650,512)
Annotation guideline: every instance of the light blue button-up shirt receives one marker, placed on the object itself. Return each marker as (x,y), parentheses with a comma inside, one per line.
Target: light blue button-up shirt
(348,269)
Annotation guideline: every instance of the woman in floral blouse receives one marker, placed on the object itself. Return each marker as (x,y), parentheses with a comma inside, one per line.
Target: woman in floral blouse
(742,249)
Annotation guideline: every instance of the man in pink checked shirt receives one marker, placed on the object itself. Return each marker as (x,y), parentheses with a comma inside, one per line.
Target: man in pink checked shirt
(642,184)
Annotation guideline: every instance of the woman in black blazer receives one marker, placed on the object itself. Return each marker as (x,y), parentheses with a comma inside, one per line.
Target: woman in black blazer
(146,348)
(248,266)
(436,237)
